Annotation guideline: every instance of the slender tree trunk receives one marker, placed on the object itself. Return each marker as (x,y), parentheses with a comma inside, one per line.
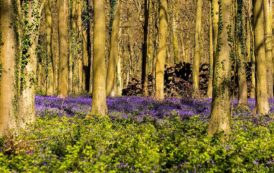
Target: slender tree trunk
(162,51)
(262,104)
(99,106)
(63,48)
(145,56)
(242,81)
(175,41)
(8,63)
(197,56)
(86,53)
(220,113)
(50,79)
(80,38)
(268,45)
(114,53)
(211,54)
(91,52)
(55,44)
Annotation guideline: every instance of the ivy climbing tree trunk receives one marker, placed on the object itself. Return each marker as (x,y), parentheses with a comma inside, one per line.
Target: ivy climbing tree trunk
(8,44)
(99,106)
(220,118)
(262,104)
(197,52)
(28,68)
(114,53)
(63,12)
(162,51)
(241,60)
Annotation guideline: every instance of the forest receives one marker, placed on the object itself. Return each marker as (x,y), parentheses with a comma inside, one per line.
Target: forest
(137,86)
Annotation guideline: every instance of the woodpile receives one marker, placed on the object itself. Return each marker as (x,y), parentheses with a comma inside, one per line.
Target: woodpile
(178,81)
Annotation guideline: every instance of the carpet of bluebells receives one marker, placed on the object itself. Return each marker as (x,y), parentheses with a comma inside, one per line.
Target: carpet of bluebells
(139,135)
(138,107)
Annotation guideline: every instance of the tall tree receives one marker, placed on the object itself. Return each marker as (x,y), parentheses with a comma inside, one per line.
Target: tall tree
(220,113)
(63,12)
(197,53)
(262,104)
(267,6)
(8,63)
(99,106)
(211,53)
(241,60)
(145,54)
(162,51)
(31,20)
(50,64)
(114,52)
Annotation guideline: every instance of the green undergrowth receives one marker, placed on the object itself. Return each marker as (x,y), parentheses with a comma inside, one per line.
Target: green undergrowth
(61,144)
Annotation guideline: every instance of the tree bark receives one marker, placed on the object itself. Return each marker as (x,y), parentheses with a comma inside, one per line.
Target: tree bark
(197,53)
(267,6)
(162,52)
(220,113)
(50,69)
(99,106)
(63,48)
(8,45)
(211,54)
(114,53)
(262,104)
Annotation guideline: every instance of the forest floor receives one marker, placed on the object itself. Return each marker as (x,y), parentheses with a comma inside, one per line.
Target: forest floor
(139,135)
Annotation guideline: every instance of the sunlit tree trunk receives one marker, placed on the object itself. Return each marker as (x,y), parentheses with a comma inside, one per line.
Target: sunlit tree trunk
(63,48)
(114,53)
(99,106)
(249,53)
(268,45)
(8,63)
(211,54)
(197,53)
(28,70)
(262,104)
(162,51)
(80,37)
(91,36)
(55,44)
(220,113)
(175,41)
(50,69)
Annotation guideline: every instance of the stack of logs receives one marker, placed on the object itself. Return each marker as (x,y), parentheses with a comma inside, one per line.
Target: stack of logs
(178,81)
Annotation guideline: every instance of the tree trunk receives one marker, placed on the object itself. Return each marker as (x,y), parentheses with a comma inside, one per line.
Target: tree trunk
(99,106)
(50,69)
(262,104)
(197,56)
(63,48)
(8,102)
(211,54)
(220,113)
(268,45)
(242,81)
(55,44)
(162,52)
(114,53)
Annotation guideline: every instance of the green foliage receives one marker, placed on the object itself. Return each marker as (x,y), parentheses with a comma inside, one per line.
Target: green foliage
(100,144)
